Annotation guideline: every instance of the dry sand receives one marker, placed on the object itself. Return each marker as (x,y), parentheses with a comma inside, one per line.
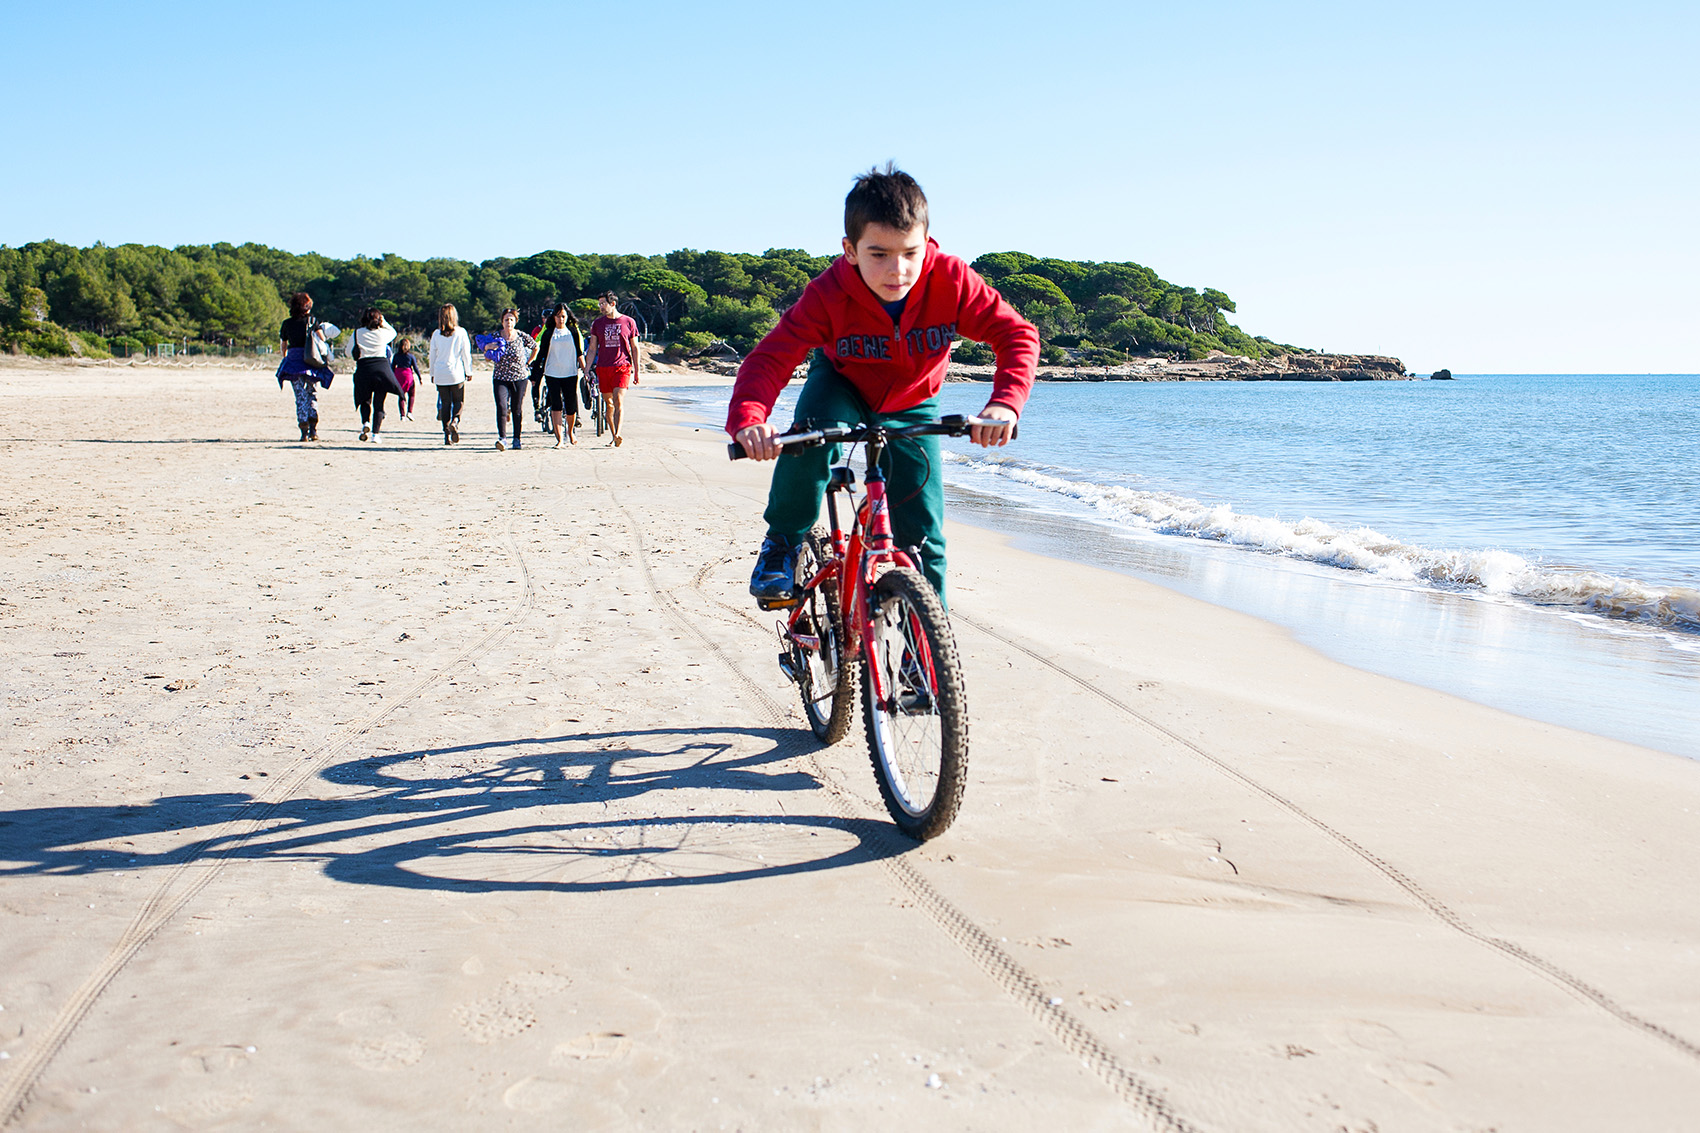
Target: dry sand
(346,787)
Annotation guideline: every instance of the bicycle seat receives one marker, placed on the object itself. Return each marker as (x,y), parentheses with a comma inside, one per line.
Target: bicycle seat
(843,476)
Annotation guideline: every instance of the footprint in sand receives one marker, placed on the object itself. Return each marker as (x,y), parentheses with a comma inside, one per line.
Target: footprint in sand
(538,1095)
(1176,836)
(377,1015)
(510,1011)
(207,1109)
(213,1059)
(1390,1059)
(486,1020)
(594,1046)
(392,1052)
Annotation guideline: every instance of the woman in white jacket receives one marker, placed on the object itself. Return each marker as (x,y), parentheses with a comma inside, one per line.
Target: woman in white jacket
(451,363)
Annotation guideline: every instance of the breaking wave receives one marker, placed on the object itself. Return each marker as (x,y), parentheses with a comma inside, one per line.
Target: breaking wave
(1363,549)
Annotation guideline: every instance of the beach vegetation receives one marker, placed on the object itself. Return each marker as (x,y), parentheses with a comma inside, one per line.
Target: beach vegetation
(1101,311)
(234,296)
(666,295)
(91,345)
(741,325)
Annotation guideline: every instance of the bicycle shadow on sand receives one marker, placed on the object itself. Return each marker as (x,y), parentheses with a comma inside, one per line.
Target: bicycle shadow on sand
(583,813)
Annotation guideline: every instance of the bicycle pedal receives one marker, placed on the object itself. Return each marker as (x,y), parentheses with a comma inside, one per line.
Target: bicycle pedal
(912,702)
(787,667)
(778,603)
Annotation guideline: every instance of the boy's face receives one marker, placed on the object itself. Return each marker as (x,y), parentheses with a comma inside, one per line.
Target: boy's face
(609,310)
(889,259)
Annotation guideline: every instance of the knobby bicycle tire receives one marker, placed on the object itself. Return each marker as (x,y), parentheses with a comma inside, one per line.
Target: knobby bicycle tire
(827,684)
(917,738)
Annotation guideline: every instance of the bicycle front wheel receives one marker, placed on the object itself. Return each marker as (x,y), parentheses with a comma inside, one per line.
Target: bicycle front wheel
(916,712)
(827,683)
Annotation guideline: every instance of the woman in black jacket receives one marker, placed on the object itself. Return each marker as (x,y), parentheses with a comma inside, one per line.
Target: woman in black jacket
(297,369)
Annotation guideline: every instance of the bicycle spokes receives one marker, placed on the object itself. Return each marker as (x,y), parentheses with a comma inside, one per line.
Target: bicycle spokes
(913,704)
(814,641)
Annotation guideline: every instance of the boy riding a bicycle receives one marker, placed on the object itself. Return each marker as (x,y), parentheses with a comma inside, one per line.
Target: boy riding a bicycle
(880,323)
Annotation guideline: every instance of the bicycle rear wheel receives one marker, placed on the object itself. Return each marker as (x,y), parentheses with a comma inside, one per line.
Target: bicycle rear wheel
(828,684)
(918,734)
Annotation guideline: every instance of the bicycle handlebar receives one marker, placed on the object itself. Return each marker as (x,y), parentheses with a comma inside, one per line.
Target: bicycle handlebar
(952,425)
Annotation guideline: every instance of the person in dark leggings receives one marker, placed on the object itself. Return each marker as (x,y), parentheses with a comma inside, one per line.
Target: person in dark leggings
(296,370)
(560,359)
(373,377)
(513,374)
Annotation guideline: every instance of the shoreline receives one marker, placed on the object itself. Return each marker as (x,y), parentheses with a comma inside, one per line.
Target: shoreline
(1582,671)
(1526,661)
(370,784)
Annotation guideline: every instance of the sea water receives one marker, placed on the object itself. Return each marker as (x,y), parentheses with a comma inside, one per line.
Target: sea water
(1531,542)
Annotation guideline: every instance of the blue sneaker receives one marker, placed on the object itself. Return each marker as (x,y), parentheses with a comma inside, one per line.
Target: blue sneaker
(775,576)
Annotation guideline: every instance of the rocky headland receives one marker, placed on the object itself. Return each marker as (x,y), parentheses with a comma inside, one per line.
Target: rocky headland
(1220,368)
(1216,368)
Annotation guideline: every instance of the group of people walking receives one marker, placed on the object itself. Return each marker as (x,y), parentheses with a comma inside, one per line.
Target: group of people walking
(551,364)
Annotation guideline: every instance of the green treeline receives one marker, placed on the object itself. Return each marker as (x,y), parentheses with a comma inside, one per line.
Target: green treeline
(1104,313)
(56,299)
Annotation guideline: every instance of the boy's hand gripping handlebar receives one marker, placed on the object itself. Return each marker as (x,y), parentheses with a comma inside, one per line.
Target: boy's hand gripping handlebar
(952,425)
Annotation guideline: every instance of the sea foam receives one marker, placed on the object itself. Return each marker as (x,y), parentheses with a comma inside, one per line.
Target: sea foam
(1361,549)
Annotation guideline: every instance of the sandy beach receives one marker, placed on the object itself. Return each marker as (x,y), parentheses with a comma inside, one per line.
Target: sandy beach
(412,787)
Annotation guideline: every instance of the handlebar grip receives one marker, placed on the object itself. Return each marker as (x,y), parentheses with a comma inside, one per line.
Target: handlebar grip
(1014,426)
(735,451)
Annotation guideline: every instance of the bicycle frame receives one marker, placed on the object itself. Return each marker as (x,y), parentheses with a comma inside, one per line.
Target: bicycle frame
(858,558)
(866,598)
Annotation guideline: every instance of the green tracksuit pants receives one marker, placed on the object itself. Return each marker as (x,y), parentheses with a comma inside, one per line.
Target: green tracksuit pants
(913,469)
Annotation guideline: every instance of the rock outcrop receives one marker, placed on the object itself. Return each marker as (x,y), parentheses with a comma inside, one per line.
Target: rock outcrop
(1221,368)
(1218,368)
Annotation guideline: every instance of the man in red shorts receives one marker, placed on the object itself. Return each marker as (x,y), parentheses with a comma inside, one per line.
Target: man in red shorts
(614,354)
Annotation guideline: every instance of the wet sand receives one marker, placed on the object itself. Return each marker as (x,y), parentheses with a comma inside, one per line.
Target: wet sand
(406,787)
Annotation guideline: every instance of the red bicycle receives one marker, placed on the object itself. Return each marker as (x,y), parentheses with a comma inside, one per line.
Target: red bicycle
(860,597)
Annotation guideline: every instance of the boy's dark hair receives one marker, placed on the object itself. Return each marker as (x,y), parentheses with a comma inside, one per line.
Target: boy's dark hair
(610,296)
(886,196)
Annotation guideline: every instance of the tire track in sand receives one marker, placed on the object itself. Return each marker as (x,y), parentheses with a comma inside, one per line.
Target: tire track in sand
(1005,971)
(1567,981)
(193,874)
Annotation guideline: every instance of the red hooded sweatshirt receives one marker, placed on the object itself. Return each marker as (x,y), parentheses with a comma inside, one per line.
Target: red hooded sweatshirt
(894,367)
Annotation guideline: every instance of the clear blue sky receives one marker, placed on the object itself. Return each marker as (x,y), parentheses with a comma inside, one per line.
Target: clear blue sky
(1491,187)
